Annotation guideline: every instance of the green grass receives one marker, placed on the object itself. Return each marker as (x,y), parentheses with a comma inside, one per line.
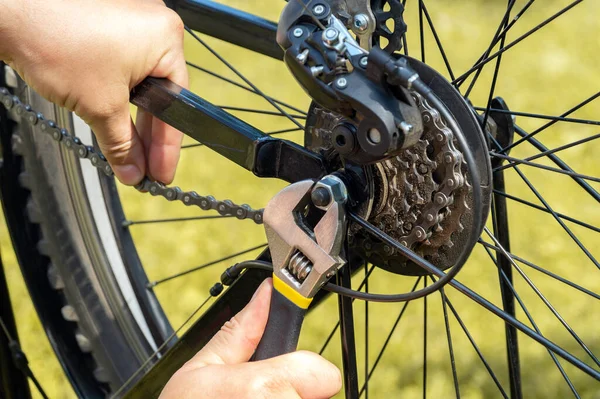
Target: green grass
(548,73)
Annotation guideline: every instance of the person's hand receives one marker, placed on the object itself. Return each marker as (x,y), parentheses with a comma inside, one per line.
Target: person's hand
(87,56)
(221,369)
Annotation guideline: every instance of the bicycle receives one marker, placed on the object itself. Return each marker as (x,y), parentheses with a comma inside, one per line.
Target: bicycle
(97,283)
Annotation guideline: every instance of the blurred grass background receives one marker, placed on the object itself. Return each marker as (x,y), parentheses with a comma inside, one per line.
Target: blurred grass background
(548,73)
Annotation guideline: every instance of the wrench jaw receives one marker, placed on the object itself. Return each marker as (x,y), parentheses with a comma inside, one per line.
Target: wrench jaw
(304,260)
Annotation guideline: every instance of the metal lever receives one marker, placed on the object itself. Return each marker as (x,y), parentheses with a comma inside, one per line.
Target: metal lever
(303,258)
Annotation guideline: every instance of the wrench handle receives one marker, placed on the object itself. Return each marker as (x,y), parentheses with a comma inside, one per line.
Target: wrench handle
(285,321)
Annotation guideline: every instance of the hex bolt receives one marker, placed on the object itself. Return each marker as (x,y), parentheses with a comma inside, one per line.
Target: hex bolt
(361,22)
(341,83)
(364,61)
(406,127)
(319,9)
(298,32)
(320,196)
(374,135)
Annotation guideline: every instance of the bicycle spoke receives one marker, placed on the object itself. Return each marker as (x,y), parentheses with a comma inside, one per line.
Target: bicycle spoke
(450,346)
(551,123)
(241,86)
(241,76)
(541,116)
(499,34)
(127,223)
(259,111)
(366,333)
(421,31)
(559,220)
(557,161)
(346,312)
(541,208)
(530,318)
(438,41)
(516,161)
(214,262)
(160,348)
(337,325)
(474,345)
(425,342)
(544,271)
(548,152)
(389,337)
(483,62)
(543,298)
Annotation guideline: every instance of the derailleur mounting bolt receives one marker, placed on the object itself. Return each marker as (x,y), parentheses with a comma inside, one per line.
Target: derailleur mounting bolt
(341,83)
(319,9)
(361,22)
(331,36)
(298,32)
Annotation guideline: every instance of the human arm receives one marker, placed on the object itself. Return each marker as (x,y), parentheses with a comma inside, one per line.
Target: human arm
(87,56)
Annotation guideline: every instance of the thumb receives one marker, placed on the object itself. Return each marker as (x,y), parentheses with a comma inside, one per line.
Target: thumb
(121,145)
(238,338)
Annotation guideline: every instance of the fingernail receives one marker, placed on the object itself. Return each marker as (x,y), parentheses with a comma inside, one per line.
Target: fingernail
(128,174)
(260,288)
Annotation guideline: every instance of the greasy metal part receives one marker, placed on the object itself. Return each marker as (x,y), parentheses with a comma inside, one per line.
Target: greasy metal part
(305,258)
(229,24)
(405,186)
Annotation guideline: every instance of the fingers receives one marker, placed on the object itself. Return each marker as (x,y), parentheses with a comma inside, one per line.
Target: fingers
(237,340)
(121,145)
(298,375)
(163,142)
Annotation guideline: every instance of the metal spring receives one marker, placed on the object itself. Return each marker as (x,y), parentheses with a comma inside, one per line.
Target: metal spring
(300,266)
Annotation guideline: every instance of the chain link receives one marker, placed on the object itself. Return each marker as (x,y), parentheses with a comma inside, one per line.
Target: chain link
(170,193)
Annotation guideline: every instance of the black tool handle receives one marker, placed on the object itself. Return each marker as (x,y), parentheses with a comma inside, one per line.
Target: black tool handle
(283,328)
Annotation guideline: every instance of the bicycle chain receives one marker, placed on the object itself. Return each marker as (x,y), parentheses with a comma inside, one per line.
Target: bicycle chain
(170,193)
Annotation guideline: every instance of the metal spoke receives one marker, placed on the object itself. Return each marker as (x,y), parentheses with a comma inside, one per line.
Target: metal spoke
(421,31)
(516,161)
(541,208)
(474,345)
(425,342)
(551,123)
(543,298)
(548,152)
(544,271)
(534,325)
(438,41)
(450,346)
(389,337)
(496,70)
(475,297)
(559,220)
(241,86)
(258,111)
(214,262)
(541,116)
(241,76)
(337,325)
(346,316)
(483,62)
(127,223)
(160,348)
(499,34)
(557,161)
(366,333)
